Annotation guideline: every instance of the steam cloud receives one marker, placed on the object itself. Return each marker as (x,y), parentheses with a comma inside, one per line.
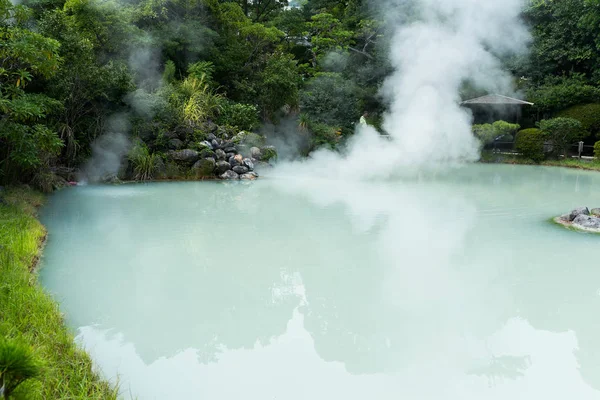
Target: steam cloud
(445,44)
(108,151)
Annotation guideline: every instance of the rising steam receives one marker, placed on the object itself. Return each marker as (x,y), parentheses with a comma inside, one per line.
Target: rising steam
(445,44)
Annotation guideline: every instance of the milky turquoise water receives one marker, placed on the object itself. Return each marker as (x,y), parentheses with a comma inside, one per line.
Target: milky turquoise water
(452,286)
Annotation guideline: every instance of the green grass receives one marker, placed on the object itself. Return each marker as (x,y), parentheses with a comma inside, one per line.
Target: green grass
(591,165)
(30,315)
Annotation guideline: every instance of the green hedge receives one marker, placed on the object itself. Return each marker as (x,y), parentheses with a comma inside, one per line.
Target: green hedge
(597,150)
(530,143)
(587,114)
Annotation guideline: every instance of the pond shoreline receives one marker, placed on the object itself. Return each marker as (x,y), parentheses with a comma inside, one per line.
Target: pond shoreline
(574,163)
(31,315)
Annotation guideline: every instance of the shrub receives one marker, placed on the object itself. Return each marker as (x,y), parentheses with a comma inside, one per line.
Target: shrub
(324,136)
(587,114)
(558,93)
(530,143)
(597,150)
(331,99)
(144,164)
(17,365)
(562,132)
(487,133)
(242,116)
(268,153)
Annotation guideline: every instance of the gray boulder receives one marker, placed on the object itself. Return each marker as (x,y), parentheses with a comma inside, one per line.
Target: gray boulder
(229,155)
(161,168)
(248,163)
(208,144)
(255,153)
(215,144)
(587,221)
(240,169)
(175,144)
(229,175)
(233,162)
(250,176)
(222,167)
(595,212)
(186,155)
(212,137)
(578,211)
(204,168)
(220,154)
(230,149)
(207,153)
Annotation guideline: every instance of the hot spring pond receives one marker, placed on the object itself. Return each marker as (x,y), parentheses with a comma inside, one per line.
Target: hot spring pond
(453,286)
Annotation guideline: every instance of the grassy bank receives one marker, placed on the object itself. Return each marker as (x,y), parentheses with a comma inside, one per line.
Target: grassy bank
(591,165)
(30,316)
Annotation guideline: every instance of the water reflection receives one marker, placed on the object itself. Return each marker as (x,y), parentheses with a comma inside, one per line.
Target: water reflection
(445,286)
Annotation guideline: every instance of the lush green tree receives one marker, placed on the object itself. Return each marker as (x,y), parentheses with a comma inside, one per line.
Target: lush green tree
(562,133)
(332,100)
(27,141)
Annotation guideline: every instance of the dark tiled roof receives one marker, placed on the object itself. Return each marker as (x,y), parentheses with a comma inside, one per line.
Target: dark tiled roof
(496,99)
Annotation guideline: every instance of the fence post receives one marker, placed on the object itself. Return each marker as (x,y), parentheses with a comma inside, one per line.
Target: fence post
(580,149)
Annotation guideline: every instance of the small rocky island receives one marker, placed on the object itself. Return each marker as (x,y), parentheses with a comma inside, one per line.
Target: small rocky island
(581,219)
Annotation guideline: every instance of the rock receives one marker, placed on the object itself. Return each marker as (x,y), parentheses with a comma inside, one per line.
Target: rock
(255,153)
(230,149)
(215,144)
(229,155)
(248,163)
(578,211)
(220,154)
(207,153)
(186,155)
(250,176)
(204,168)
(208,144)
(222,167)
(587,221)
(161,168)
(239,158)
(175,144)
(110,178)
(212,137)
(233,161)
(240,169)
(230,175)
(595,212)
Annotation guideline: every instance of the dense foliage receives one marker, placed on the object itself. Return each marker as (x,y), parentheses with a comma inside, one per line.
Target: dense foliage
(499,130)
(530,143)
(562,133)
(70,68)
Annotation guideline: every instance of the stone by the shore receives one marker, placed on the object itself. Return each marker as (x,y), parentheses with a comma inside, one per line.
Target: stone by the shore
(255,153)
(186,155)
(595,212)
(220,154)
(248,163)
(240,169)
(578,211)
(222,167)
(204,167)
(229,175)
(250,176)
(587,221)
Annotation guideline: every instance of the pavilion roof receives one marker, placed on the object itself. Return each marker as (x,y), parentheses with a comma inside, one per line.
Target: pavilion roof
(496,99)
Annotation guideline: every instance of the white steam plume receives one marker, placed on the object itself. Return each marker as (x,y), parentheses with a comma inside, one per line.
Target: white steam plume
(108,151)
(448,43)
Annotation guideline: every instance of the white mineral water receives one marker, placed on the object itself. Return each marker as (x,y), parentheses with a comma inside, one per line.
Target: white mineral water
(454,287)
